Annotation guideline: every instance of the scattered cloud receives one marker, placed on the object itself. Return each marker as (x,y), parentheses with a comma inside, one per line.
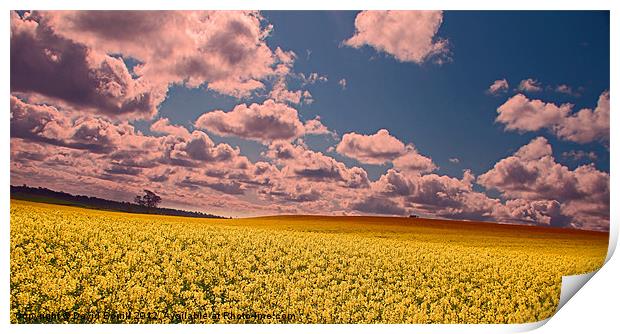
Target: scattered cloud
(564,89)
(578,155)
(312,78)
(530,85)
(280,93)
(498,86)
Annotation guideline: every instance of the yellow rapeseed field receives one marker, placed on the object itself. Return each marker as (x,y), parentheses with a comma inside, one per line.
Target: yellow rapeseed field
(86,266)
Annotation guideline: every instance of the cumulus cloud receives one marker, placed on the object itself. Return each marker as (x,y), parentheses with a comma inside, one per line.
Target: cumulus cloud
(436,195)
(302,162)
(412,161)
(373,149)
(522,114)
(46,63)
(535,190)
(409,36)
(46,124)
(381,148)
(532,174)
(530,85)
(69,58)
(263,122)
(538,212)
(225,49)
(201,148)
(266,122)
(97,152)
(498,86)
(587,125)
(48,146)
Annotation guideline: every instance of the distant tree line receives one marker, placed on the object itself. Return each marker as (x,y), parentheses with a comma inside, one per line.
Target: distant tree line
(147,203)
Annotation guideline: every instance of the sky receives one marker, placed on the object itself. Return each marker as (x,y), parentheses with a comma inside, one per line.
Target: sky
(491,116)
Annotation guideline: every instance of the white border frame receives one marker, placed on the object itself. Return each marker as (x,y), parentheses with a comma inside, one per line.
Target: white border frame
(594,308)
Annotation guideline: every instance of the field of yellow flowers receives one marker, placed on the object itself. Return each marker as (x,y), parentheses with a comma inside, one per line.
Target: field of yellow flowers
(73,265)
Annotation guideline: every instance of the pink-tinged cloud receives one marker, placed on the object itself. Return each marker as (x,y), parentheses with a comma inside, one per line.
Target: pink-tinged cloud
(47,63)
(409,36)
(414,162)
(184,169)
(435,195)
(201,148)
(46,124)
(379,206)
(530,85)
(498,86)
(537,212)
(163,125)
(316,127)
(375,149)
(381,148)
(262,122)
(299,161)
(587,125)
(578,155)
(522,114)
(312,78)
(537,148)
(225,49)
(280,93)
(564,89)
(533,174)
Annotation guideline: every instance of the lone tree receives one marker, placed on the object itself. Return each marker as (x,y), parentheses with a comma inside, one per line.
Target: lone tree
(150,199)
